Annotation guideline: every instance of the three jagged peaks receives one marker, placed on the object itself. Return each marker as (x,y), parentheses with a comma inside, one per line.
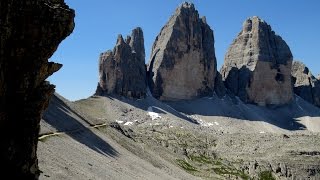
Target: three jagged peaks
(257,66)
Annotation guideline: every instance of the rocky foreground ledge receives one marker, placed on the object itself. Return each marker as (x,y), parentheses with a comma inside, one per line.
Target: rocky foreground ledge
(30,32)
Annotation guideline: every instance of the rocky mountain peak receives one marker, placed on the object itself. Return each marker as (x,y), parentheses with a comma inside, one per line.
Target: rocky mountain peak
(183,63)
(120,40)
(186,7)
(122,71)
(257,66)
(254,23)
(136,43)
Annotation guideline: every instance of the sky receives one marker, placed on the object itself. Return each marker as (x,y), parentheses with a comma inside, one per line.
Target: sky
(98,23)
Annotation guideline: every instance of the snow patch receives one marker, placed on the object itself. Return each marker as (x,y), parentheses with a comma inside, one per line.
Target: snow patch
(262,132)
(216,123)
(210,124)
(120,122)
(199,120)
(128,123)
(152,114)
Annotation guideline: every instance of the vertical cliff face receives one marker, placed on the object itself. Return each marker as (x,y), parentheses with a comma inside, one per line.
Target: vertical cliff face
(183,62)
(30,32)
(305,84)
(219,86)
(257,66)
(122,71)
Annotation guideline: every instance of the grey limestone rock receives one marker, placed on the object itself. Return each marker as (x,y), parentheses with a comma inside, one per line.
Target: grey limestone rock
(257,66)
(305,84)
(123,71)
(183,62)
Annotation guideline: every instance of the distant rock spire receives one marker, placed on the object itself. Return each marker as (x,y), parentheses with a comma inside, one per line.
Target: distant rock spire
(122,71)
(257,66)
(183,62)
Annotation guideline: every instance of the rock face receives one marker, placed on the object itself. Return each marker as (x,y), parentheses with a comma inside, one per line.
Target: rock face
(30,32)
(183,62)
(219,86)
(123,71)
(257,66)
(305,84)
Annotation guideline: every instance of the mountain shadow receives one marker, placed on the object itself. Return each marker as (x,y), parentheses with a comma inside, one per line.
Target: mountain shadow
(60,116)
(284,117)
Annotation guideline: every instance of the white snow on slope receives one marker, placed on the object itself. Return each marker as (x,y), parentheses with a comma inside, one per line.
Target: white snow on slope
(128,123)
(152,114)
(201,122)
(120,122)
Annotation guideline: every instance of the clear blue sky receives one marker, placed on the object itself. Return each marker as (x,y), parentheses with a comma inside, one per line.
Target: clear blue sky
(98,22)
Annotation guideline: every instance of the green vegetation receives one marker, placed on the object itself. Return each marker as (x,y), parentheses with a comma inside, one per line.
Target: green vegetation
(217,163)
(207,166)
(266,175)
(186,166)
(201,159)
(227,170)
(204,166)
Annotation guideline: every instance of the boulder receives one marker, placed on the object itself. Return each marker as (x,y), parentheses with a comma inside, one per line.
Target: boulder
(123,71)
(30,32)
(305,84)
(257,66)
(183,62)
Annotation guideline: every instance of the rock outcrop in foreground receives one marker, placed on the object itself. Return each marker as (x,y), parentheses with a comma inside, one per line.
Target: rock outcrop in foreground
(30,31)
(305,84)
(123,71)
(257,66)
(183,62)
